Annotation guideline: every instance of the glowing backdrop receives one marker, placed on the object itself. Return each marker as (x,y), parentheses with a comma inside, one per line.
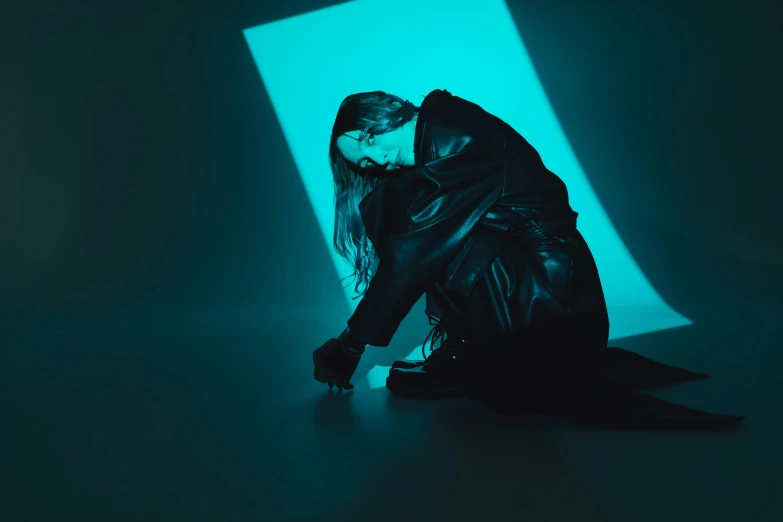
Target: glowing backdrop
(309,63)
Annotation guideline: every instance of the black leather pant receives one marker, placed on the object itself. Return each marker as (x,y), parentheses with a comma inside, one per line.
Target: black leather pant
(538,305)
(536,330)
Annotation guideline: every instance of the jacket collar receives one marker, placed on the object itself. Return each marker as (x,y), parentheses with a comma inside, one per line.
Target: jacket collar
(423,133)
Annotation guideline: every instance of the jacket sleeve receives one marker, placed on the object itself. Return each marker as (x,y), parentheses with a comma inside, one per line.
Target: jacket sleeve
(455,192)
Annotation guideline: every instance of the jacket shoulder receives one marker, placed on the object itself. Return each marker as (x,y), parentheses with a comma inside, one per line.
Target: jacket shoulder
(452,125)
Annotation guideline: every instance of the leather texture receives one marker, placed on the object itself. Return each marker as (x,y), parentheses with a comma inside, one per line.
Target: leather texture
(485,230)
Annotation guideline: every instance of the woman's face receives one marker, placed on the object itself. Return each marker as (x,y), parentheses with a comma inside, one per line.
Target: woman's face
(388,151)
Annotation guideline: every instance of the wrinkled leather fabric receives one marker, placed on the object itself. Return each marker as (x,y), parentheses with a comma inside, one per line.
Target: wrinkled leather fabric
(484,229)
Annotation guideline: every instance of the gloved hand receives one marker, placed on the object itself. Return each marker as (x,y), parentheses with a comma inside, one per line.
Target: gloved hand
(336,361)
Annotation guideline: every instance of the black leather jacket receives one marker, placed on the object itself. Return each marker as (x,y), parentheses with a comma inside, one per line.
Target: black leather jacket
(476,180)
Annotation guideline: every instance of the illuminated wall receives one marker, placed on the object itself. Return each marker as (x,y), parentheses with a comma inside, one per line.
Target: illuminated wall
(309,63)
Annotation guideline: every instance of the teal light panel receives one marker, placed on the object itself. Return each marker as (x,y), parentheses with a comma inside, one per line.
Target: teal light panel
(310,62)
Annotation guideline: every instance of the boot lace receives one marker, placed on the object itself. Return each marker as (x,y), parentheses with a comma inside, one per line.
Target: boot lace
(437,333)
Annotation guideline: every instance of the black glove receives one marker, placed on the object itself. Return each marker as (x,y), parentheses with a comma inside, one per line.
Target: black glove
(336,361)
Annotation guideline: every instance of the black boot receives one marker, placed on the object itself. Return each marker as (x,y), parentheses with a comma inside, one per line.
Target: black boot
(432,337)
(408,365)
(447,372)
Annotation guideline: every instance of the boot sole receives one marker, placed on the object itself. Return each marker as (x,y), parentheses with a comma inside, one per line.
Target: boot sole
(468,392)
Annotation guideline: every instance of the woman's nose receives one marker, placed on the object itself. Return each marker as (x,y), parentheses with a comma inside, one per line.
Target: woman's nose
(383,159)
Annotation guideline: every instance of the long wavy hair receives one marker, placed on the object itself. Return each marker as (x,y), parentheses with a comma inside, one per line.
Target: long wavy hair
(373,112)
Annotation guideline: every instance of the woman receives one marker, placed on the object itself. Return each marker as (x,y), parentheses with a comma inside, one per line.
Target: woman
(449,201)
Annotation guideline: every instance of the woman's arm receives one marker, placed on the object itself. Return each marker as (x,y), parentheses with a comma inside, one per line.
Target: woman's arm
(351,343)
(458,191)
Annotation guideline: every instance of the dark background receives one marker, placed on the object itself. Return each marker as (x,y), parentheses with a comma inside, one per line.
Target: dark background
(150,210)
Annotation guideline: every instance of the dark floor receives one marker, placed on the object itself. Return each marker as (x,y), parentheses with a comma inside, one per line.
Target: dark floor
(144,161)
(214,415)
